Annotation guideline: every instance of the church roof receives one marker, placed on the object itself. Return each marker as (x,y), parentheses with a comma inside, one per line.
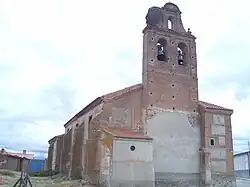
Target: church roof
(125,133)
(54,138)
(105,98)
(121,93)
(212,106)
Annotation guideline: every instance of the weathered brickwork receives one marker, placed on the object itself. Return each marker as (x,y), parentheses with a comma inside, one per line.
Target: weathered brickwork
(192,140)
(76,166)
(54,153)
(50,155)
(66,153)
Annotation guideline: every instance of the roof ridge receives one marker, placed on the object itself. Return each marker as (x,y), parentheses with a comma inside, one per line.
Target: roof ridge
(212,106)
(121,92)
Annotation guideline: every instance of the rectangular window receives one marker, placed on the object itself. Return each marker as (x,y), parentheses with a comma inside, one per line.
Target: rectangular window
(212,142)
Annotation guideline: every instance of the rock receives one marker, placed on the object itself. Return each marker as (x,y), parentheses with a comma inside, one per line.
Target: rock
(2,181)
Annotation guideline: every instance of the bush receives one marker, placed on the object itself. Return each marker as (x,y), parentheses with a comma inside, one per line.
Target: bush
(43,173)
(7,173)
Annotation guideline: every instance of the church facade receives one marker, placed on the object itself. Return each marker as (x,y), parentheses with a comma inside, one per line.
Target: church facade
(158,132)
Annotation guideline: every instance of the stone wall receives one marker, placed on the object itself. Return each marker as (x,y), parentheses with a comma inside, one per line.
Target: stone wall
(50,155)
(59,147)
(76,171)
(54,155)
(66,153)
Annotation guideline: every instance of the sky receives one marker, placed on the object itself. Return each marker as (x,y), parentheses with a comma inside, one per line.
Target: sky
(57,56)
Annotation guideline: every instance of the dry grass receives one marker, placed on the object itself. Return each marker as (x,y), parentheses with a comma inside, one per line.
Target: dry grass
(10,177)
(7,173)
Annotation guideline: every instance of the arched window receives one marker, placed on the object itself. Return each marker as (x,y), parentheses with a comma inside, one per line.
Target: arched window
(170,24)
(161,50)
(182,54)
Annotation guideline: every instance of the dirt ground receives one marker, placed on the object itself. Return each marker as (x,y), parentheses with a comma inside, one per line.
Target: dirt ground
(10,178)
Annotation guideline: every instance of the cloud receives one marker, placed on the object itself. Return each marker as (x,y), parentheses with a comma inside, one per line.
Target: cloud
(56,56)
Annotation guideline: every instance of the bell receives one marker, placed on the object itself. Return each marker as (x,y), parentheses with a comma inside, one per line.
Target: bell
(180,58)
(161,55)
(180,61)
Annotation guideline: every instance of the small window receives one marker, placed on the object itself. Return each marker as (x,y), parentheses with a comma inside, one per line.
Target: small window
(170,24)
(132,148)
(212,142)
(67,130)
(90,118)
(77,125)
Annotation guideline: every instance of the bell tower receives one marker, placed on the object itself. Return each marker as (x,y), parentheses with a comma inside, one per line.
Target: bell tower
(169,61)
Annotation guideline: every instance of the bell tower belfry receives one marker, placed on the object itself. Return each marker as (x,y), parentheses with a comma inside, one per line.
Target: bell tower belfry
(169,61)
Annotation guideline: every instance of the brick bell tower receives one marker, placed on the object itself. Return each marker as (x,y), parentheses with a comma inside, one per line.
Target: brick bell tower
(169,62)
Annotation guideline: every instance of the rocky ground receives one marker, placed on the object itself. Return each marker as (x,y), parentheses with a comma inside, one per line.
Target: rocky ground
(10,178)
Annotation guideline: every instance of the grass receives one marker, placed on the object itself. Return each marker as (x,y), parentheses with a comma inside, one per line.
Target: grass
(44,174)
(7,173)
(10,177)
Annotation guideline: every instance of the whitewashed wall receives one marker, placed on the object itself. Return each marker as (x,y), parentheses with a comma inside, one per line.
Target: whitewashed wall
(137,164)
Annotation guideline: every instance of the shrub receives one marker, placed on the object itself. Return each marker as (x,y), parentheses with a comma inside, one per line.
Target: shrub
(43,173)
(7,173)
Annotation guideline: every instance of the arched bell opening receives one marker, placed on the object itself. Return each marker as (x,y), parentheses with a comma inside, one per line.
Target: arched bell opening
(182,54)
(170,24)
(161,50)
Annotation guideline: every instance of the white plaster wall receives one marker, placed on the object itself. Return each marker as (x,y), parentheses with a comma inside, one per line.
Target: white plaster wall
(134,165)
(143,150)
(54,155)
(176,142)
(105,160)
(219,166)
(241,162)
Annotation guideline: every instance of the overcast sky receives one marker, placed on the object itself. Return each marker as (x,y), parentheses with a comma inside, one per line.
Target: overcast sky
(56,56)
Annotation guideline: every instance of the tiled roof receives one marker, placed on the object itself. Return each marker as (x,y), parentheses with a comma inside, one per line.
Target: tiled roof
(86,109)
(125,133)
(106,98)
(212,106)
(21,155)
(120,93)
(54,138)
(18,155)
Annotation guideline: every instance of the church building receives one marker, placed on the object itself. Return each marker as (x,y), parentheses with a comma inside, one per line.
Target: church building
(158,132)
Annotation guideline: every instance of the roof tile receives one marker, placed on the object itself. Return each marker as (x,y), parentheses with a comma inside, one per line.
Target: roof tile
(212,106)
